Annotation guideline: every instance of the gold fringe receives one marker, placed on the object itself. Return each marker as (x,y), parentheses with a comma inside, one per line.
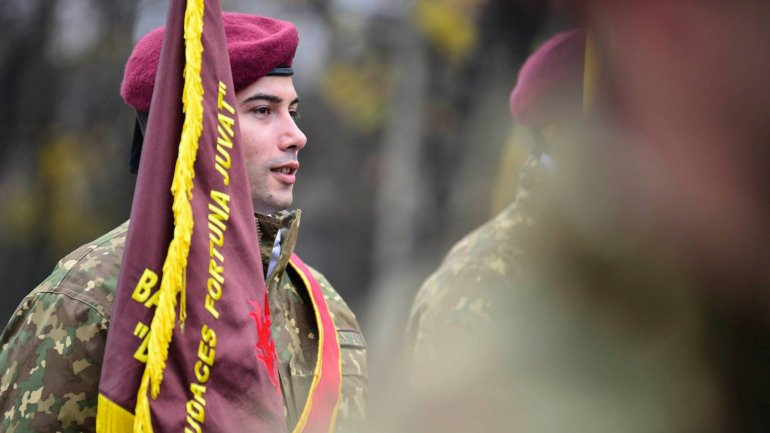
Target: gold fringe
(143,420)
(112,418)
(175,266)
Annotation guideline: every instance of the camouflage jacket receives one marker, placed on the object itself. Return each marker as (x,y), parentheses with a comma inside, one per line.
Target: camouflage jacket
(51,350)
(563,314)
(457,298)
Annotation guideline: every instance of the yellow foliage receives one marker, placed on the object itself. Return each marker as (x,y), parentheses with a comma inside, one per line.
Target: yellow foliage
(358,92)
(17,217)
(58,160)
(449,25)
(65,175)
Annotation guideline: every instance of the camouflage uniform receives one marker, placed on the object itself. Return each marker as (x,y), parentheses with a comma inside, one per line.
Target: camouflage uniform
(480,267)
(562,316)
(51,351)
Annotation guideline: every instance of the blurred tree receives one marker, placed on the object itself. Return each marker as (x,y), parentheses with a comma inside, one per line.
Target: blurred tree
(64,131)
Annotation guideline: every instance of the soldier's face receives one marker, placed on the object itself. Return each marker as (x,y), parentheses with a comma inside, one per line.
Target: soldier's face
(271,139)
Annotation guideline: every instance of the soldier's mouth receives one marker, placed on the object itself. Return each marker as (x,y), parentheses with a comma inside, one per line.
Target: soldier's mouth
(286,173)
(289,168)
(284,170)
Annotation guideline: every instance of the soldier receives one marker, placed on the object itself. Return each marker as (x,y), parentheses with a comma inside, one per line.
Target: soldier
(51,351)
(547,99)
(456,306)
(636,300)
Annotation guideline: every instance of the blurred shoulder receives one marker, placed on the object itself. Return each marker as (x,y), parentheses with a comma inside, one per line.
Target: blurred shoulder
(89,274)
(77,294)
(51,349)
(485,258)
(488,260)
(460,294)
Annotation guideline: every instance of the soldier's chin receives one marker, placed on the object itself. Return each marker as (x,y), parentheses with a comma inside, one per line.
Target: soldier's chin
(275,204)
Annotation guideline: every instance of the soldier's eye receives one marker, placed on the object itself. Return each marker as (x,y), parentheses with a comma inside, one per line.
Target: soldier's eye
(262,110)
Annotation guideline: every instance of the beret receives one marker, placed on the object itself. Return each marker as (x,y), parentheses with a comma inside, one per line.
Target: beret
(257,45)
(550,83)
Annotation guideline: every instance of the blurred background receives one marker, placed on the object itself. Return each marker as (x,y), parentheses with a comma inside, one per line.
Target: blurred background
(405,104)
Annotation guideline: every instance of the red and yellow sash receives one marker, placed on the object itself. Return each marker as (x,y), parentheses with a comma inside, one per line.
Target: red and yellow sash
(323,399)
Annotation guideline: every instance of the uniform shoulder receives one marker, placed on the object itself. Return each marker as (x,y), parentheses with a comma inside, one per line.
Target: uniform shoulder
(336,303)
(345,320)
(89,274)
(460,292)
(492,255)
(489,252)
(330,293)
(51,349)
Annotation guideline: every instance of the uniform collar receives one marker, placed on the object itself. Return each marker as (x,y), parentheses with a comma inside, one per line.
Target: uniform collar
(268,226)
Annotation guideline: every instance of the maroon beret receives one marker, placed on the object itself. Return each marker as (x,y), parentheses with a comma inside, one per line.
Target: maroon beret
(550,84)
(256,45)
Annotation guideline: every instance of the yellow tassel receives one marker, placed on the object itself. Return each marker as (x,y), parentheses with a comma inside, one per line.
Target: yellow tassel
(175,265)
(143,420)
(112,418)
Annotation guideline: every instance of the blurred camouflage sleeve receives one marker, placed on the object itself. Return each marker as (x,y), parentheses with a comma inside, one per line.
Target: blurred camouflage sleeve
(451,370)
(355,380)
(457,299)
(51,350)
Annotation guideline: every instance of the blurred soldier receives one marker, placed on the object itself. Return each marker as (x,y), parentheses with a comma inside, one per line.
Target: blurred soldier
(547,99)
(52,348)
(457,304)
(690,98)
(641,298)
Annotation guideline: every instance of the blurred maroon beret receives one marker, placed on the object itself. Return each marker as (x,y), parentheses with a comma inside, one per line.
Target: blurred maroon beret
(256,45)
(550,84)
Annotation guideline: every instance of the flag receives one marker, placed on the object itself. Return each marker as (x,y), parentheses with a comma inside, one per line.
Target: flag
(183,351)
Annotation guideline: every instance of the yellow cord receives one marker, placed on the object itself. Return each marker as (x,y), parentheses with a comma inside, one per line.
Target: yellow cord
(175,266)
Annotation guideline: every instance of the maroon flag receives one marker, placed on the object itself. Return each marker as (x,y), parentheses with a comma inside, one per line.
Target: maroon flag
(183,350)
